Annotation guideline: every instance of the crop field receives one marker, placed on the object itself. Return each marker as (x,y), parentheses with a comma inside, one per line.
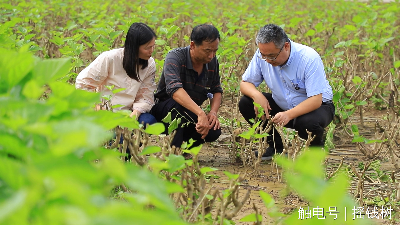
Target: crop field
(55,167)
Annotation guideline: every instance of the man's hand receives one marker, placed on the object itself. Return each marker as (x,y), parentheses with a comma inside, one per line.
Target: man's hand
(202,125)
(263,102)
(251,91)
(306,106)
(183,99)
(213,120)
(281,118)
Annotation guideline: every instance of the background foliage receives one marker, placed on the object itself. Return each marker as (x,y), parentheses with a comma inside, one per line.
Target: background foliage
(49,142)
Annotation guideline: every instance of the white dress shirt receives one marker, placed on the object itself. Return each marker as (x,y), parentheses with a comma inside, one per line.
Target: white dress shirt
(301,77)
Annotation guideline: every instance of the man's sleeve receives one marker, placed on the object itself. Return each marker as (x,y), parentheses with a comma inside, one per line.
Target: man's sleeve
(253,73)
(172,70)
(315,78)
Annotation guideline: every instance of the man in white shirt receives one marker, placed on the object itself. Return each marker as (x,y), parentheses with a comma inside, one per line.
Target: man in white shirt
(301,96)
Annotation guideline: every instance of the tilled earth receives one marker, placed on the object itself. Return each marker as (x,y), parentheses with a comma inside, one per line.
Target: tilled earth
(267,176)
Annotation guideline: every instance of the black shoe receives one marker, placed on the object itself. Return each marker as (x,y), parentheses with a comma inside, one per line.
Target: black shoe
(269,152)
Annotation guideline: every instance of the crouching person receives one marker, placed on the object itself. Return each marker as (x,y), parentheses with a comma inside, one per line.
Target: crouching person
(190,76)
(300,98)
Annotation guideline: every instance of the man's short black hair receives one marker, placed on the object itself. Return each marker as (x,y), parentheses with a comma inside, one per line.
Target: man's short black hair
(204,32)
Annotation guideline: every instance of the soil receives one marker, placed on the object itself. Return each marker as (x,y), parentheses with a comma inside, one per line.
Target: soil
(267,176)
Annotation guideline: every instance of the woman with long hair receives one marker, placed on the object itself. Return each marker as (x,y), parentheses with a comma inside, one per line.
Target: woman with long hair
(131,68)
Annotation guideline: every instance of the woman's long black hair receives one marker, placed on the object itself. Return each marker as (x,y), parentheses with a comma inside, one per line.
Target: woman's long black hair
(138,34)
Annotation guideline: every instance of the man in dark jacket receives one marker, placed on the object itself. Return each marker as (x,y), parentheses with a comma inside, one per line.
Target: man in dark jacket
(190,76)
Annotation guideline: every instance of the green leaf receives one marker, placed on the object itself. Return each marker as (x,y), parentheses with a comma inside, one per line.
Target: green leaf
(110,87)
(171,31)
(247,134)
(354,129)
(110,120)
(349,106)
(305,164)
(294,21)
(267,199)
(107,97)
(14,145)
(209,197)
(118,90)
(175,162)
(385,40)
(11,176)
(77,133)
(174,188)
(259,109)
(167,118)
(114,167)
(335,193)
(117,106)
(319,27)
(357,80)
(350,27)
(129,123)
(207,169)
(94,37)
(173,125)
(357,19)
(373,141)
(115,34)
(44,129)
(106,41)
(160,42)
(358,139)
(155,129)
(231,176)
(22,112)
(196,150)
(251,218)
(150,150)
(71,25)
(261,135)
(12,204)
(51,69)
(61,89)
(360,103)
(14,67)
(32,90)
(57,40)
(397,64)
(339,53)
(340,44)
(157,165)
(310,32)
(151,186)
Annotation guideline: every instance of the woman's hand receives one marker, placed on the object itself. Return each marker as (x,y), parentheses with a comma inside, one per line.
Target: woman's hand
(135,113)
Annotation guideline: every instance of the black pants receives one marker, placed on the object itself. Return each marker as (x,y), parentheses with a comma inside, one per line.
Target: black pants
(160,111)
(314,121)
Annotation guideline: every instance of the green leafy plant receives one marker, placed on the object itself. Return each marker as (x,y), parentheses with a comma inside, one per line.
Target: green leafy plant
(357,40)
(306,177)
(52,168)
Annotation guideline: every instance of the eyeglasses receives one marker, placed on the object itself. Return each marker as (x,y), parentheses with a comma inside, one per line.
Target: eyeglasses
(270,58)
